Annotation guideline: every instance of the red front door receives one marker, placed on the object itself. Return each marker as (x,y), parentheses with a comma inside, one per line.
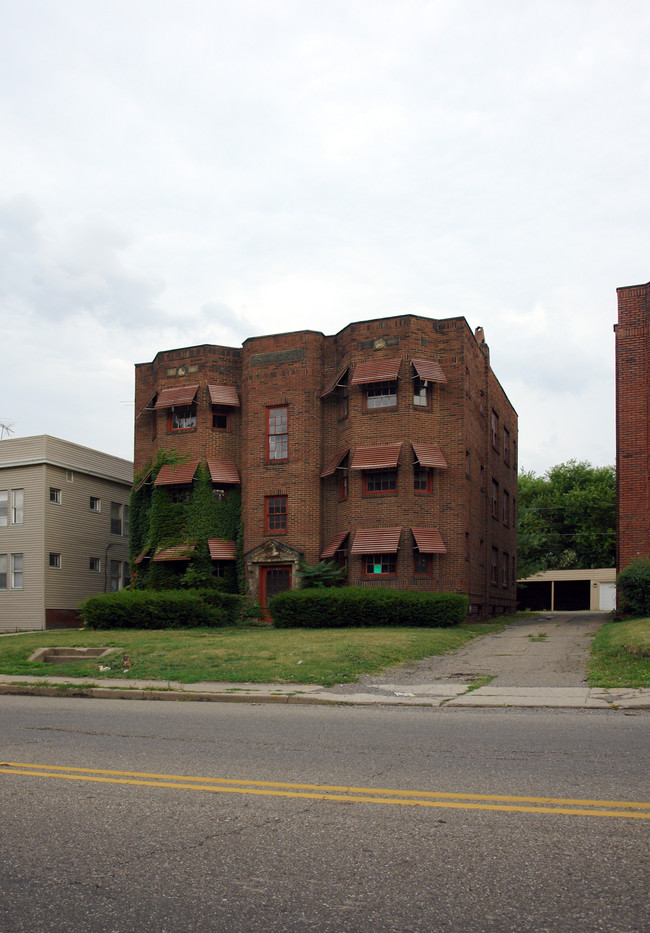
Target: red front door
(274,580)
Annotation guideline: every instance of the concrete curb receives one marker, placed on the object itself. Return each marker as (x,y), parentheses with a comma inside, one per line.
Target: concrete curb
(427,696)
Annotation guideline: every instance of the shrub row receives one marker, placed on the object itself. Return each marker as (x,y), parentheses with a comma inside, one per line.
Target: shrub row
(151,609)
(356,606)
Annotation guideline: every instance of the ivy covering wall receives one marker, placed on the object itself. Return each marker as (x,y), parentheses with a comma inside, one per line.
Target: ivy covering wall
(161,518)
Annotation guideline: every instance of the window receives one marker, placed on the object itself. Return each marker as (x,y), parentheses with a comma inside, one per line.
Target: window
(94,565)
(220,418)
(277,447)
(495,499)
(55,495)
(422,479)
(343,401)
(380,482)
(119,519)
(381,395)
(116,576)
(3,571)
(17,506)
(219,494)
(506,446)
(275,513)
(95,504)
(182,418)
(16,571)
(494,566)
(421,393)
(69,476)
(422,564)
(505,564)
(120,575)
(494,423)
(55,561)
(505,507)
(380,564)
(344,483)
(4,507)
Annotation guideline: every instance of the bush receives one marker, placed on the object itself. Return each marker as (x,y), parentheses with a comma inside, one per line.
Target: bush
(633,588)
(149,609)
(358,606)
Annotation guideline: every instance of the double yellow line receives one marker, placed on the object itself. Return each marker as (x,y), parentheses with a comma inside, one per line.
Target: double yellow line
(406,798)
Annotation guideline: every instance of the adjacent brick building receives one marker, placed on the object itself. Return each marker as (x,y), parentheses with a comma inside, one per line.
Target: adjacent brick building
(632,424)
(389,447)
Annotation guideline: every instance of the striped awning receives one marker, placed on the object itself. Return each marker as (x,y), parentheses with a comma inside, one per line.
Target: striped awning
(223,471)
(176,474)
(333,546)
(376,541)
(335,462)
(376,371)
(429,370)
(176,552)
(221,550)
(429,541)
(429,455)
(224,395)
(384,456)
(333,383)
(179,395)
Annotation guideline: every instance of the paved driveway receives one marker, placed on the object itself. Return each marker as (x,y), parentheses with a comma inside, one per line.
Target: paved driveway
(548,651)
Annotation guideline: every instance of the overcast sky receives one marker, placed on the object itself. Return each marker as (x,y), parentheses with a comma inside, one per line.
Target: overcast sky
(176,173)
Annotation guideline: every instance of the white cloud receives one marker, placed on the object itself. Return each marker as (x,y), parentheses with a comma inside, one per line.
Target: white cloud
(175,174)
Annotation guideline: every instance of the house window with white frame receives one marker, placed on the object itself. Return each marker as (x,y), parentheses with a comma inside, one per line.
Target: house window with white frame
(3,571)
(95,504)
(55,561)
(55,495)
(4,507)
(16,571)
(94,565)
(17,506)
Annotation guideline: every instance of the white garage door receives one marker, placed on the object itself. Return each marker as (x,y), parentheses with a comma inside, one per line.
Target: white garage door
(607,599)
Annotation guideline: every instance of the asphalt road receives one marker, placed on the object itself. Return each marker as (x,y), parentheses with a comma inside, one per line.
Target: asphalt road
(241,817)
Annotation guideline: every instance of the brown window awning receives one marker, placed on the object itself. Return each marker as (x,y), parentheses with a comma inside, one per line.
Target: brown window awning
(334,383)
(223,471)
(143,479)
(177,552)
(335,463)
(376,541)
(429,541)
(221,550)
(429,455)
(385,456)
(429,370)
(179,395)
(224,395)
(333,546)
(376,371)
(143,555)
(176,474)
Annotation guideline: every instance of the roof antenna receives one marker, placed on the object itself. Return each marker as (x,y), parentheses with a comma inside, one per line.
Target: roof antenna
(6,429)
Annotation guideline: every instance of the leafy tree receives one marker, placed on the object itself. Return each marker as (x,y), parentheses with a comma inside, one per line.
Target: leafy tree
(567,518)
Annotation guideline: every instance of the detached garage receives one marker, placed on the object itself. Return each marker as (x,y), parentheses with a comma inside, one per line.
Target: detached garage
(569,591)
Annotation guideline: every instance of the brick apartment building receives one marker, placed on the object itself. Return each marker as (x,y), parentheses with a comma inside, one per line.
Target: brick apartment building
(632,424)
(389,447)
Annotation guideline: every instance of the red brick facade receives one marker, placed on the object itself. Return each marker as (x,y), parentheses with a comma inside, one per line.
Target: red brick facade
(458,419)
(632,424)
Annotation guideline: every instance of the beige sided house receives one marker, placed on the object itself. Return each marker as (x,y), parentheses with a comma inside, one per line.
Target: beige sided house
(64,526)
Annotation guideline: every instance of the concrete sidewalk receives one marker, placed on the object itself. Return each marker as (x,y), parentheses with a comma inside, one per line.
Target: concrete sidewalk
(435,694)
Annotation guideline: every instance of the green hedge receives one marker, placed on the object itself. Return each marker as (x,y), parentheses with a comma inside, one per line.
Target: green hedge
(149,609)
(357,606)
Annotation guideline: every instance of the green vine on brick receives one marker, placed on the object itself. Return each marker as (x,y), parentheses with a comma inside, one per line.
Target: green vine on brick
(159,518)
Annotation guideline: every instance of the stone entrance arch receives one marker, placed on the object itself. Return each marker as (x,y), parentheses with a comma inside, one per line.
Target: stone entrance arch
(271,554)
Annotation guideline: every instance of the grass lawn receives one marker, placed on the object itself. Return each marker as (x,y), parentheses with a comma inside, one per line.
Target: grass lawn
(620,655)
(239,655)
